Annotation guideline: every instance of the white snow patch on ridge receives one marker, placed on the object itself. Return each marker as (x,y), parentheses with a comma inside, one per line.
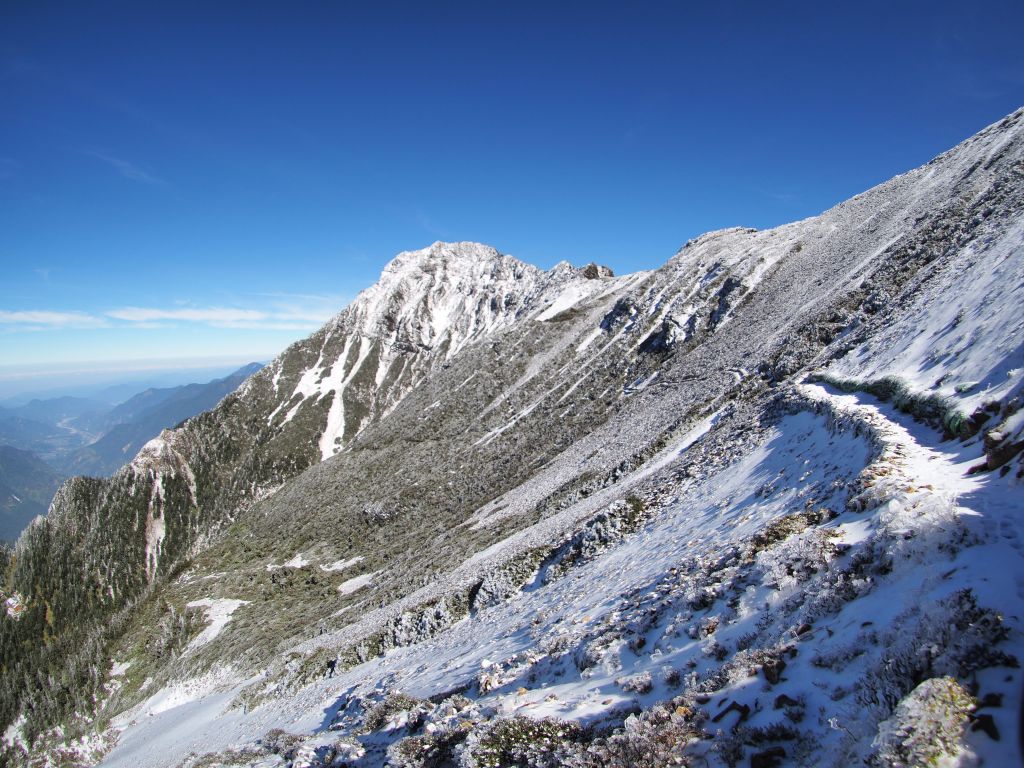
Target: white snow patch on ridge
(340,565)
(218,611)
(296,562)
(427,306)
(572,295)
(356,583)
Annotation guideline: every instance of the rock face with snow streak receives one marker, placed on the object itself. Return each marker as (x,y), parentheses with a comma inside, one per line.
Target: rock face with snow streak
(426,307)
(572,495)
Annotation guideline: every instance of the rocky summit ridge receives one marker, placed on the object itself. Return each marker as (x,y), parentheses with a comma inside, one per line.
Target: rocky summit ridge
(759,506)
(426,307)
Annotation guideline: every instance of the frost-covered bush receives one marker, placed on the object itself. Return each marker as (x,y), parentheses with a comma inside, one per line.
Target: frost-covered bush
(776,531)
(642,683)
(394,704)
(926,725)
(431,750)
(797,558)
(604,650)
(655,739)
(521,742)
(501,583)
(605,529)
(226,759)
(928,525)
(731,747)
(951,638)
(279,742)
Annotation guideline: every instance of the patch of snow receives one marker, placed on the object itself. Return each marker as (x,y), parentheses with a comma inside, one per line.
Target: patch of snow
(218,613)
(356,583)
(155,527)
(572,295)
(13,736)
(199,707)
(340,565)
(296,562)
(335,384)
(854,532)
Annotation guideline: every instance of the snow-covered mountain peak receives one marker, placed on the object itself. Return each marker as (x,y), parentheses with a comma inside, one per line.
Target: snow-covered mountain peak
(456,259)
(444,294)
(427,306)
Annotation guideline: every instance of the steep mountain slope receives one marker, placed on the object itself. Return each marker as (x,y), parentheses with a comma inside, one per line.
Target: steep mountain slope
(130,425)
(105,543)
(486,491)
(27,484)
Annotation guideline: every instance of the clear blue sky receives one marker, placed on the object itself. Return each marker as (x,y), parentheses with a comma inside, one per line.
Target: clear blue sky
(213,179)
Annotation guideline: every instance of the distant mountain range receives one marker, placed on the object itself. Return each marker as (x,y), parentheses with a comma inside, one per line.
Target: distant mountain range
(47,440)
(130,425)
(27,484)
(45,426)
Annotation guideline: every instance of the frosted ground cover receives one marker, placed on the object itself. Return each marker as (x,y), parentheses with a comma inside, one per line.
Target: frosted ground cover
(864,584)
(725,509)
(570,605)
(524,656)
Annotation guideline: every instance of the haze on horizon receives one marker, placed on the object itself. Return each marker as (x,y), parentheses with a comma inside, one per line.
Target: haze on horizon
(189,183)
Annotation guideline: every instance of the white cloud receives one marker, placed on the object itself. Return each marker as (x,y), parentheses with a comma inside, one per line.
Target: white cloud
(306,314)
(302,316)
(212,315)
(48,319)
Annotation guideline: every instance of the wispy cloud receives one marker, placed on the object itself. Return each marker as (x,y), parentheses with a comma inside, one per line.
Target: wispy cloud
(281,318)
(211,315)
(128,169)
(47,319)
(299,313)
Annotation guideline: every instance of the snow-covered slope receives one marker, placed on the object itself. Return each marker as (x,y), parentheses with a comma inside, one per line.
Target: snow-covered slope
(759,506)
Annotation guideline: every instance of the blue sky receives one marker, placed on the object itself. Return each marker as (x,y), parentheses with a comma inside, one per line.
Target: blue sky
(213,180)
